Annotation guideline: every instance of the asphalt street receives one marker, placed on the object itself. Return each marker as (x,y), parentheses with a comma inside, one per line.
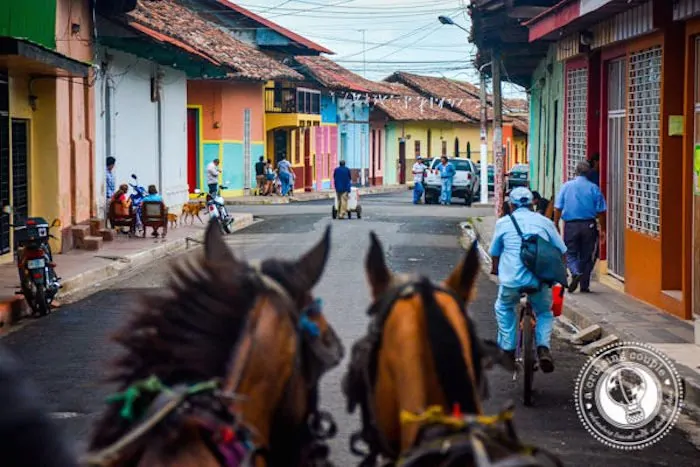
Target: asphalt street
(67,352)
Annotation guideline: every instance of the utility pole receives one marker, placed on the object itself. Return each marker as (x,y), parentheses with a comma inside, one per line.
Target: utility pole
(484,139)
(497,131)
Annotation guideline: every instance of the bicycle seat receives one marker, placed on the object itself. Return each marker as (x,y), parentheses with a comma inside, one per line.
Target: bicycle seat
(528,291)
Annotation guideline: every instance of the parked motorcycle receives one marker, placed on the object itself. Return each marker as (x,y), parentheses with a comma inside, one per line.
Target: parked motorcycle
(39,283)
(217,210)
(136,201)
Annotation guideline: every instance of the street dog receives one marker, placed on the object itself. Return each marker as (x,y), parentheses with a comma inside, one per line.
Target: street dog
(172,219)
(191,210)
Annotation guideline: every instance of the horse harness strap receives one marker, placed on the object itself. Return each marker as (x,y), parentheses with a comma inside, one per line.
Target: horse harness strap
(359,382)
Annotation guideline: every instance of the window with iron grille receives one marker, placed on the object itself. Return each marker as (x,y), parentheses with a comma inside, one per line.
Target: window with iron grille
(576,118)
(643,134)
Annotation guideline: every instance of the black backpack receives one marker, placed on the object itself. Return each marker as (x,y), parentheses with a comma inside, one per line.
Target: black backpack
(541,258)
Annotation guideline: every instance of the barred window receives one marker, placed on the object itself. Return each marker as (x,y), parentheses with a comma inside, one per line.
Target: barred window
(643,145)
(576,118)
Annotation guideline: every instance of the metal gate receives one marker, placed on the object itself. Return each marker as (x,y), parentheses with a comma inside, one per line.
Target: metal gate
(643,142)
(20,158)
(5,169)
(617,113)
(247,163)
(576,119)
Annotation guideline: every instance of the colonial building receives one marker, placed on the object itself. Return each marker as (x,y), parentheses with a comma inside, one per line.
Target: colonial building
(47,123)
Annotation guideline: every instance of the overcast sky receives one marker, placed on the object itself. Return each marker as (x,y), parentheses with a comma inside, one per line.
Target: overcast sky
(399,35)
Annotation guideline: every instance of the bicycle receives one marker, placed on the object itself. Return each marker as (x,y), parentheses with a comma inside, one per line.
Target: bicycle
(525,350)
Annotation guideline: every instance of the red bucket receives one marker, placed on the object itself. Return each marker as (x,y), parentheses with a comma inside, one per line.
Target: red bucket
(557,299)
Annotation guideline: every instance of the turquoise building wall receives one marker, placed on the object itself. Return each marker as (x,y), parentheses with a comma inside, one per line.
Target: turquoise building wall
(546,136)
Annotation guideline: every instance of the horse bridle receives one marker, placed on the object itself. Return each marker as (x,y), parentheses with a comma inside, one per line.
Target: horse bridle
(320,424)
(235,443)
(362,373)
(361,378)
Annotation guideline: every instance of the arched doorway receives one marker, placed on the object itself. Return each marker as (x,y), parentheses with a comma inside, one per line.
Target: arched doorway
(456,147)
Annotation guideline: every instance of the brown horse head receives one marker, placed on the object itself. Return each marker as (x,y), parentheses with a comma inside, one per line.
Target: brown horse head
(225,362)
(422,350)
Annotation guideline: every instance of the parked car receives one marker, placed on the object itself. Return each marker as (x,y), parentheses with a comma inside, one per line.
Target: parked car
(464,184)
(519,175)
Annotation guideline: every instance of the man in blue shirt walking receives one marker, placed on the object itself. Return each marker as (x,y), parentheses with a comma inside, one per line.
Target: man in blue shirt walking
(514,276)
(343,183)
(579,203)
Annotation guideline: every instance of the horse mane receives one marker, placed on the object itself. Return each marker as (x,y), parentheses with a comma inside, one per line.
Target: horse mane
(451,368)
(183,335)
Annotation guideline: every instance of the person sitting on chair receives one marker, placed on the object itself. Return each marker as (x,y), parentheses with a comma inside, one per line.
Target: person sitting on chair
(153,196)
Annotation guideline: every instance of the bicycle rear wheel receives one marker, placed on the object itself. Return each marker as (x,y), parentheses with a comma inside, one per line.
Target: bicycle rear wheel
(528,351)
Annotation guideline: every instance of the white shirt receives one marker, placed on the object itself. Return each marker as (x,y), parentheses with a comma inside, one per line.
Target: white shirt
(212,173)
(418,170)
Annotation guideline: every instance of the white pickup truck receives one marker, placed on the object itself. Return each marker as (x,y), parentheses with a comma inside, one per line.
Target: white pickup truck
(464,184)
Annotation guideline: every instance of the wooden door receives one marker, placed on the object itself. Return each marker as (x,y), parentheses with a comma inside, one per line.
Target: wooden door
(402,163)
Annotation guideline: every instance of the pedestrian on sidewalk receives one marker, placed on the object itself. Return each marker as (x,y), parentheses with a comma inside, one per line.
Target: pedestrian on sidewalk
(579,203)
(418,173)
(28,437)
(513,276)
(269,178)
(260,176)
(110,185)
(343,184)
(284,170)
(447,173)
(154,197)
(213,173)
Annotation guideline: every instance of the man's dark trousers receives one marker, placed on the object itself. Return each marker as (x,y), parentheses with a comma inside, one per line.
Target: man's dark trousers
(580,238)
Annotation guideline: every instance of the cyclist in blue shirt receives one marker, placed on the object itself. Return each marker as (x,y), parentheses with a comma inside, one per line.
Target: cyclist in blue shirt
(513,276)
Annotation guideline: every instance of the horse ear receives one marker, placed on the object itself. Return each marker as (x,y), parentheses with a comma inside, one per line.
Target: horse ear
(311,265)
(377,272)
(464,275)
(215,248)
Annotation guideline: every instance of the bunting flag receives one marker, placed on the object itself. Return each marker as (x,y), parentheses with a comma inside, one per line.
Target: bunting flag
(423,103)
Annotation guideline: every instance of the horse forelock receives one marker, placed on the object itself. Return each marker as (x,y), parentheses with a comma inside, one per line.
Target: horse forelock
(184,334)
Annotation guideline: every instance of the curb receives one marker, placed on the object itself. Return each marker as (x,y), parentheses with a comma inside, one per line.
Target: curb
(278,200)
(690,379)
(15,311)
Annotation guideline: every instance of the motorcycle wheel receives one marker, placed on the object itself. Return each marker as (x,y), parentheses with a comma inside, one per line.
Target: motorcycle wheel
(226,225)
(43,307)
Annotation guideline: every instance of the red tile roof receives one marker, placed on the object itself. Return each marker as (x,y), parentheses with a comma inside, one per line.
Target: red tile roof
(277,28)
(333,76)
(461,97)
(408,105)
(172,19)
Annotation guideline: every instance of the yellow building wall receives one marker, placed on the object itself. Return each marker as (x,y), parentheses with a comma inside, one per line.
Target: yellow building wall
(439,132)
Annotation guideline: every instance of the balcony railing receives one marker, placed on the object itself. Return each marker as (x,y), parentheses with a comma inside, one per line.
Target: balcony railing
(292,100)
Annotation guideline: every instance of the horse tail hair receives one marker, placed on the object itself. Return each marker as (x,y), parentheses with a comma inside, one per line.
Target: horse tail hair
(448,356)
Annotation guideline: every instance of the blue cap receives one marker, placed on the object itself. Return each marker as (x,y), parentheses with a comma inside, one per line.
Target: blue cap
(520,196)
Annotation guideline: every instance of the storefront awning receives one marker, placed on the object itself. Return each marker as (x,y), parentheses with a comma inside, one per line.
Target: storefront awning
(569,16)
(32,58)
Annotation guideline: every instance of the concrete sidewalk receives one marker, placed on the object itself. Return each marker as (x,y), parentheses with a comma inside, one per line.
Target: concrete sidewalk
(618,315)
(82,270)
(300,196)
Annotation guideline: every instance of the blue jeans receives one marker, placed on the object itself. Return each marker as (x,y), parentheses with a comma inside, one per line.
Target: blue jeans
(446,192)
(417,192)
(507,320)
(213,188)
(284,180)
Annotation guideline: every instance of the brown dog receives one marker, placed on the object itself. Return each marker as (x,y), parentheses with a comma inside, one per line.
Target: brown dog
(192,210)
(172,218)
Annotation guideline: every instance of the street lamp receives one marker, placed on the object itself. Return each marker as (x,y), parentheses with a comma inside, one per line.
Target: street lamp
(484,188)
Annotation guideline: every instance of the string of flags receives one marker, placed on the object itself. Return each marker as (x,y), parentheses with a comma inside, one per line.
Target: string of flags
(368,98)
